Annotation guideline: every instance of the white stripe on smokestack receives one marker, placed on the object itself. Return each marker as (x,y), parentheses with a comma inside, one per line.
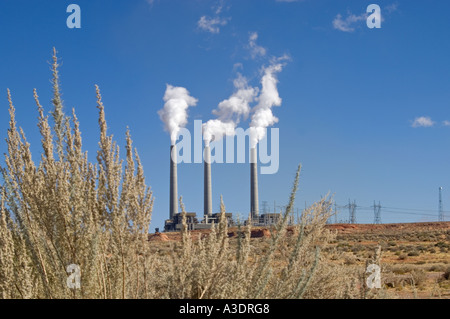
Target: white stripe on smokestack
(254,209)
(207,195)
(173,182)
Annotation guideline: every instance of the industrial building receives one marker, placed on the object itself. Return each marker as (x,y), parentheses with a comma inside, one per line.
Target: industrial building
(174,223)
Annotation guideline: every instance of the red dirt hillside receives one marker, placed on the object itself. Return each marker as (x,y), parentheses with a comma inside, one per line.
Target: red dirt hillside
(371,228)
(264,232)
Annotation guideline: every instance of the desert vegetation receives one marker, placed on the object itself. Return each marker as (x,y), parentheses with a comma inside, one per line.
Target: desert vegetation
(67,210)
(414,260)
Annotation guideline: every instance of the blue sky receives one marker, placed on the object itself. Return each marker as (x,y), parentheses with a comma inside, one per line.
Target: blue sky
(350,94)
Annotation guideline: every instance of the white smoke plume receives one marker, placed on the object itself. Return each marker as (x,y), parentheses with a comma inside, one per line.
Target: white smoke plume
(262,116)
(230,111)
(216,129)
(174,113)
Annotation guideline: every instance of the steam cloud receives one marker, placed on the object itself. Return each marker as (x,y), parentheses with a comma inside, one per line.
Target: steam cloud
(262,116)
(230,111)
(174,113)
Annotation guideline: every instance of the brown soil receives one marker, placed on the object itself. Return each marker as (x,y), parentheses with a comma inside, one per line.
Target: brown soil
(158,237)
(258,233)
(383,228)
(341,229)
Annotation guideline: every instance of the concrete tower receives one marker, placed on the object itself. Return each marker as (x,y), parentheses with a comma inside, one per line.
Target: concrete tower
(207,190)
(254,209)
(173,182)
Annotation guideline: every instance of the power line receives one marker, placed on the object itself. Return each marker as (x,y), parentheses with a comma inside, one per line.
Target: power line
(409,213)
(376,209)
(415,209)
(391,210)
(397,208)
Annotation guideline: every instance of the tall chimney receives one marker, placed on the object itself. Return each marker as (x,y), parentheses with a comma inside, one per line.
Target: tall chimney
(207,191)
(173,182)
(254,209)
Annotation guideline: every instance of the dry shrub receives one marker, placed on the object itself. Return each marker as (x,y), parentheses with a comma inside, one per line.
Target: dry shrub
(290,267)
(446,274)
(419,276)
(413,253)
(350,260)
(66,210)
(402,269)
(402,256)
(437,268)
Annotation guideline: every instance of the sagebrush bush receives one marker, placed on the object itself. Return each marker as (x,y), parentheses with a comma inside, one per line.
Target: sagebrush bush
(67,210)
(446,274)
(419,277)
(291,266)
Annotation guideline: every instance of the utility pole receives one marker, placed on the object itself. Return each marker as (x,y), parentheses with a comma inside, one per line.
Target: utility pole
(441,208)
(335,213)
(376,213)
(265,207)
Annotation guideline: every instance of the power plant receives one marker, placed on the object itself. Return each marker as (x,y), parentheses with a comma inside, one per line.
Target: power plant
(174,115)
(174,223)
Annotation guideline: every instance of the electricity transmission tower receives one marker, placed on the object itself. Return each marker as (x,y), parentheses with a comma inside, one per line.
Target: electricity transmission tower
(377,213)
(441,209)
(352,212)
(265,207)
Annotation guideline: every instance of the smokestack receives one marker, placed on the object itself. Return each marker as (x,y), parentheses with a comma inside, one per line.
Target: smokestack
(173,182)
(207,196)
(254,209)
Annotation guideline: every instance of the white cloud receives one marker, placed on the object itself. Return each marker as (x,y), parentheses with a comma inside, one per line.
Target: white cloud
(423,121)
(238,66)
(446,123)
(255,50)
(391,7)
(347,24)
(211,24)
(219,7)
